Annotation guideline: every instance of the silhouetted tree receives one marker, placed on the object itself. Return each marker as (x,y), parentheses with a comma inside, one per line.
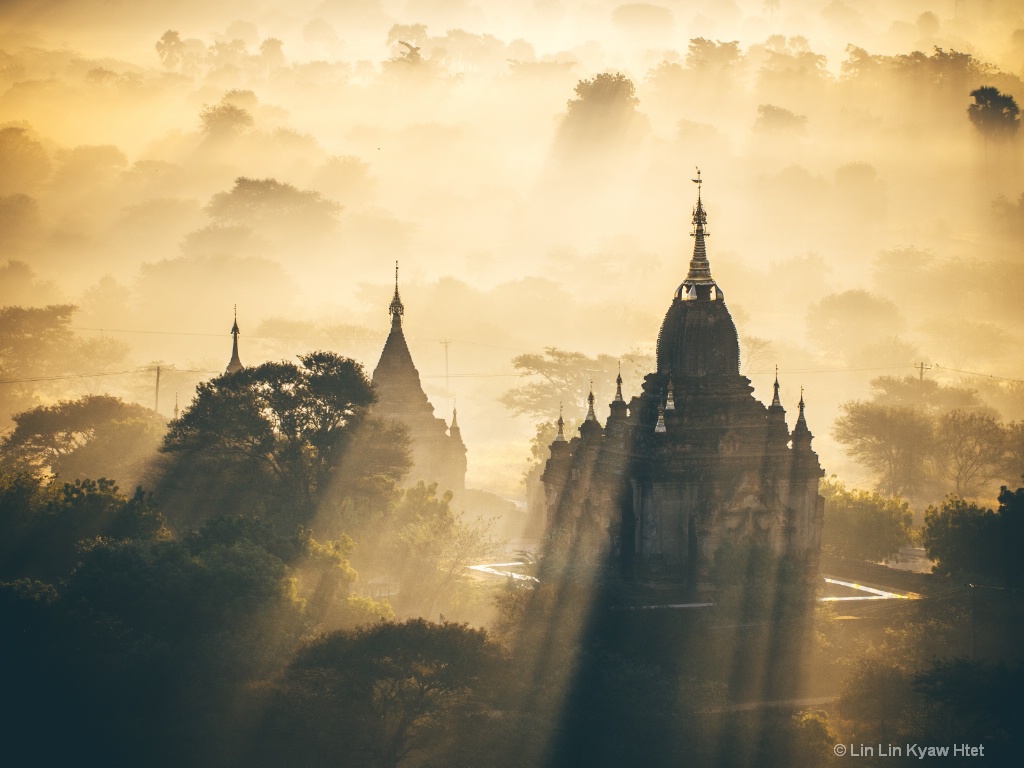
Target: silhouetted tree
(95,436)
(862,525)
(963,539)
(779,120)
(268,201)
(271,433)
(565,378)
(995,115)
(42,522)
(894,441)
(38,343)
(221,120)
(171,49)
(24,162)
(970,448)
(381,696)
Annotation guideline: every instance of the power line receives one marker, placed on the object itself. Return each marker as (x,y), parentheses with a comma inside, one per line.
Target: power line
(146,369)
(68,376)
(975,373)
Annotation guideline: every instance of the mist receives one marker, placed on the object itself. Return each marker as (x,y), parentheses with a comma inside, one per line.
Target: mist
(167,170)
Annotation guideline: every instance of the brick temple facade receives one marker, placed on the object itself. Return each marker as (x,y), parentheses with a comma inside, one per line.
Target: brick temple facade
(693,462)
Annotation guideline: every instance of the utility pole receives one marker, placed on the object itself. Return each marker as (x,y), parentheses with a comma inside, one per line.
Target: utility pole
(445,343)
(156,405)
(921,368)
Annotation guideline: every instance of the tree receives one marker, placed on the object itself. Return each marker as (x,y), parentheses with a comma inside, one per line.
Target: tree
(433,546)
(171,49)
(962,538)
(221,120)
(605,97)
(566,377)
(43,522)
(380,695)
(925,394)
(772,119)
(852,318)
(970,448)
(270,434)
(862,525)
(95,436)
(263,201)
(24,162)
(894,441)
(38,343)
(1013,461)
(995,115)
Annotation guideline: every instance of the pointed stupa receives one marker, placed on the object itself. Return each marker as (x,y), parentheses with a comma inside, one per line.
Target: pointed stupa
(176,412)
(591,416)
(670,400)
(454,430)
(698,336)
(660,426)
(618,386)
(395,377)
(778,432)
(801,434)
(235,364)
(560,437)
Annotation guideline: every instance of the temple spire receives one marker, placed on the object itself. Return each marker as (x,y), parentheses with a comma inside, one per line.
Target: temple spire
(560,437)
(235,364)
(775,399)
(660,426)
(176,412)
(591,416)
(698,282)
(618,385)
(396,309)
(670,400)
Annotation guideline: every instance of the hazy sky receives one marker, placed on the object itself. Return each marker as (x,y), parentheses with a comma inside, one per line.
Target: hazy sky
(826,170)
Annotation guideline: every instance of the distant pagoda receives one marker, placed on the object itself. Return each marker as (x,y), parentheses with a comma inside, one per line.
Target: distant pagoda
(439,454)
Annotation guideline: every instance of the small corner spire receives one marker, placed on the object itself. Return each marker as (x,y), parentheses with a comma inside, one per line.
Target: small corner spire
(396,309)
(560,437)
(176,412)
(775,398)
(801,422)
(618,385)
(670,400)
(455,415)
(659,428)
(591,416)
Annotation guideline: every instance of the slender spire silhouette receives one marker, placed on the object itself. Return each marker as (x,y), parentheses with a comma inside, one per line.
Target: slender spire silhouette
(560,437)
(235,363)
(591,416)
(396,309)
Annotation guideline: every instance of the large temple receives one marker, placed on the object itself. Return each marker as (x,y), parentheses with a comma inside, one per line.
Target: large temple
(438,453)
(693,462)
